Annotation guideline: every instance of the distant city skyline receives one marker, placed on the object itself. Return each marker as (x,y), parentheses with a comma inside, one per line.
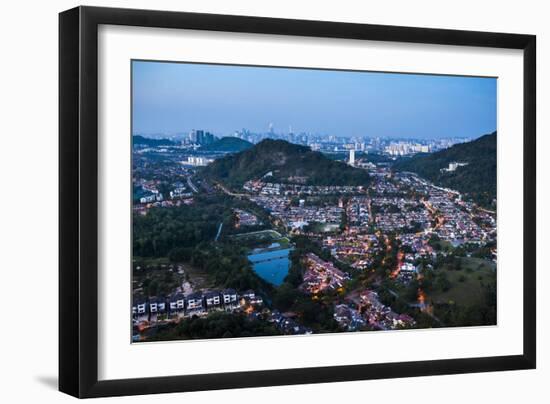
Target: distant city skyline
(174,98)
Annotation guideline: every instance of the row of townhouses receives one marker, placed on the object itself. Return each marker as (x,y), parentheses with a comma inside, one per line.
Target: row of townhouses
(194,303)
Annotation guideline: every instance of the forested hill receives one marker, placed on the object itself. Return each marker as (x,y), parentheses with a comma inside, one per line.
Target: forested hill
(287,162)
(477,179)
(147,141)
(228,144)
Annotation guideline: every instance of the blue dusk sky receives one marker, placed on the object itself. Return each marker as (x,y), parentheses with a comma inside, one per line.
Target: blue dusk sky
(170,98)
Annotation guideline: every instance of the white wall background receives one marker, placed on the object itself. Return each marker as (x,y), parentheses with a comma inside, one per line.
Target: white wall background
(28,201)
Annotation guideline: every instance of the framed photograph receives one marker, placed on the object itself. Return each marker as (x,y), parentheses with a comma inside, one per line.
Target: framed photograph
(251,201)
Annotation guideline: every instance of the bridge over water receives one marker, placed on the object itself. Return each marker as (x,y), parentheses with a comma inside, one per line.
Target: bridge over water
(269,256)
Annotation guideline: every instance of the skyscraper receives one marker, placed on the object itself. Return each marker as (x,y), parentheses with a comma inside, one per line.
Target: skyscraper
(201,137)
(351,157)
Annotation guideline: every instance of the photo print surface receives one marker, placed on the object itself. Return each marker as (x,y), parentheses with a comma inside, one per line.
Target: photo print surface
(272,201)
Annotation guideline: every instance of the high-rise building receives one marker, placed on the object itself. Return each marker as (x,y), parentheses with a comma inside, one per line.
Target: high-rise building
(193,136)
(352,157)
(208,138)
(201,137)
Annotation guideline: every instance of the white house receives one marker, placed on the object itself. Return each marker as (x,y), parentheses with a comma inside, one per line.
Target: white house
(212,299)
(139,307)
(157,305)
(194,301)
(177,302)
(229,296)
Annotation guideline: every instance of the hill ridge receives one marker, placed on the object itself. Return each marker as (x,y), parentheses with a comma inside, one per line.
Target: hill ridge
(476,179)
(228,144)
(289,163)
(148,141)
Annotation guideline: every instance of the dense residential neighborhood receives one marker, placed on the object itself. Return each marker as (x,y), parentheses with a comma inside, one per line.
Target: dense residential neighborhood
(282,256)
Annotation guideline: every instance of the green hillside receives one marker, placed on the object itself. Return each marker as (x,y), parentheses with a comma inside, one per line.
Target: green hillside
(147,141)
(228,144)
(478,179)
(288,163)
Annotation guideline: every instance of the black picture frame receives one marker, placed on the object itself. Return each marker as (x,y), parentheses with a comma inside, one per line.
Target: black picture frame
(78,196)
